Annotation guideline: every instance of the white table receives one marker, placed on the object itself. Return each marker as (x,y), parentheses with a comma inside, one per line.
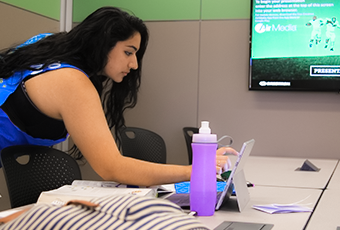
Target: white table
(326,214)
(280,171)
(335,180)
(260,195)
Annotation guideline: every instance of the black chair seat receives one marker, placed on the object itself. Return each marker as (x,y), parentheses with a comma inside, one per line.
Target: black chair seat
(46,169)
(188,132)
(143,144)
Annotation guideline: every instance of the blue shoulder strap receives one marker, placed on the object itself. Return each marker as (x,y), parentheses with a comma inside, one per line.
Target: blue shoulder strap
(7,86)
(34,39)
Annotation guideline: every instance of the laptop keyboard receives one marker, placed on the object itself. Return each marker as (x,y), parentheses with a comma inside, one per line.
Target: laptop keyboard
(183,199)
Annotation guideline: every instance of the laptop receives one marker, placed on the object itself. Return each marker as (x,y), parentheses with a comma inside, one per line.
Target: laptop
(226,225)
(183,199)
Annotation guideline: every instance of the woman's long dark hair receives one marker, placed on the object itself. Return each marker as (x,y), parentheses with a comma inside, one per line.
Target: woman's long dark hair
(87,46)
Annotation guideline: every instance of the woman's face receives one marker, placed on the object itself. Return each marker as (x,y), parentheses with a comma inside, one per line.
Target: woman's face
(122,58)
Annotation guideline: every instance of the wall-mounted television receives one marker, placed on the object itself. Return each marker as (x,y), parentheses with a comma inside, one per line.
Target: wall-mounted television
(295,45)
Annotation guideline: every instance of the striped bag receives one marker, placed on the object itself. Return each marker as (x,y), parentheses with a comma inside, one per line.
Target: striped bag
(110,212)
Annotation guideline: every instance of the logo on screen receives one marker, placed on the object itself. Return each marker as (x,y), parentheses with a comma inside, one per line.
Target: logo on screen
(274,83)
(261,28)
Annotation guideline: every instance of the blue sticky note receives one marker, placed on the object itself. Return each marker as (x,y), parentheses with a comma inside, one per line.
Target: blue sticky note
(184,187)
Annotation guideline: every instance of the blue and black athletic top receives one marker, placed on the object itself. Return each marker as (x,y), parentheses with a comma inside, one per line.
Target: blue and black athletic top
(21,122)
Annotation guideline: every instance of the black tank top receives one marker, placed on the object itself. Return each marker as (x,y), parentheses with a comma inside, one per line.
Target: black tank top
(27,117)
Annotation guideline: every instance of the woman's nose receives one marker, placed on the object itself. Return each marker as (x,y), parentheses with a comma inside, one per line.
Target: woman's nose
(134,63)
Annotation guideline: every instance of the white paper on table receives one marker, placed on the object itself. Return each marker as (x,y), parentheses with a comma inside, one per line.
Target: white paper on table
(284,208)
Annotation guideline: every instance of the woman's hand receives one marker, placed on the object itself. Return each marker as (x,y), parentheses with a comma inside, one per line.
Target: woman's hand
(222,161)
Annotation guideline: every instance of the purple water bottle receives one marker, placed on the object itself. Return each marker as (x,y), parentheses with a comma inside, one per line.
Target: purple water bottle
(203,175)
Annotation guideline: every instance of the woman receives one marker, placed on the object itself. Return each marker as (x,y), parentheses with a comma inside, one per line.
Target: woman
(59,85)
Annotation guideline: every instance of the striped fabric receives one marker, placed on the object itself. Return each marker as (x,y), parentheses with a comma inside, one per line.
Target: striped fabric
(113,212)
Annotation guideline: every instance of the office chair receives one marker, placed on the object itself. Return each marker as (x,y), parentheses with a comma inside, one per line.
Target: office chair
(46,169)
(143,144)
(188,132)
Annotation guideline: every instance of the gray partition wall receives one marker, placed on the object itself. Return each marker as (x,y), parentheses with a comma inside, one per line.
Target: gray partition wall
(18,24)
(196,68)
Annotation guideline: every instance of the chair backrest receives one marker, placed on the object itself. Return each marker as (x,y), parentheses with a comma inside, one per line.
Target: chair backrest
(188,132)
(44,169)
(143,144)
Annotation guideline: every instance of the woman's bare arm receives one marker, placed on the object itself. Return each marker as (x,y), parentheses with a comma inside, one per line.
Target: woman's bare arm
(69,95)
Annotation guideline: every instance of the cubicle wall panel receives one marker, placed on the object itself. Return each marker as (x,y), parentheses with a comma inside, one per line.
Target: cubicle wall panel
(164,10)
(148,10)
(4,199)
(290,124)
(50,8)
(223,76)
(17,25)
(222,9)
(168,95)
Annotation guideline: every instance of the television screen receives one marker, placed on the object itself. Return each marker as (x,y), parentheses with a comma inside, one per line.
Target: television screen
(295,45)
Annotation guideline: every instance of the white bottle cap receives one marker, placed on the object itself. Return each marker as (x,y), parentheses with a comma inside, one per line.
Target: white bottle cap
(204,135)
(205,127)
